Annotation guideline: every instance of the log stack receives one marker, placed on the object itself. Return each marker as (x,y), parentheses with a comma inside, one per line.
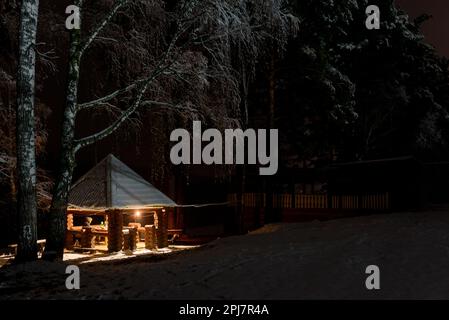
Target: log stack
(150,237)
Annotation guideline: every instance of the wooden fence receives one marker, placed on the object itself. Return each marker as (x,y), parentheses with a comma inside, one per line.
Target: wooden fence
(378,201)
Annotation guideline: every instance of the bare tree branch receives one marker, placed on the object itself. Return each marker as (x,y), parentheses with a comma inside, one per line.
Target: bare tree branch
(125,115)
(135,84)
(118,4)
(164,65)
(168,61)
(170,107)
(84,142)
(110,96)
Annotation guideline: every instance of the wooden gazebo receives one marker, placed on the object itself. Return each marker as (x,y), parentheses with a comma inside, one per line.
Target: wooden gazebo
(122,206)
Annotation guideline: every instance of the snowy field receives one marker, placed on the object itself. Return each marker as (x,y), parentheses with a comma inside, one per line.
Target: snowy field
(317,260)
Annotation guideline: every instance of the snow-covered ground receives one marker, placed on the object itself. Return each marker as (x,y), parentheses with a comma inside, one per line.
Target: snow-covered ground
(317,260)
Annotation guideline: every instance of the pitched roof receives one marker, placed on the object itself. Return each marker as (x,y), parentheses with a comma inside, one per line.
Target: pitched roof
(112,184)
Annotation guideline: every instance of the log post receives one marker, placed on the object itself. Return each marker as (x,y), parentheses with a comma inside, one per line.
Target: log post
(161,229)
(133,238)
(69,235)
(115,230)
(165,230)
(69,221)
(126,240)
(129,242)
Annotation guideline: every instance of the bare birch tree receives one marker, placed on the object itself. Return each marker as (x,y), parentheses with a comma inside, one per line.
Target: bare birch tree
(205,35)
(26,154)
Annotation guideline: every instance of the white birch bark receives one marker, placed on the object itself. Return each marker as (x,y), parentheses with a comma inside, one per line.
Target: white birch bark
(26,157)
(57,228)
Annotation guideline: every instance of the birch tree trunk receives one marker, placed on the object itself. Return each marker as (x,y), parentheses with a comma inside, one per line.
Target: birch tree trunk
(57,228)
(54,249)
(26,157)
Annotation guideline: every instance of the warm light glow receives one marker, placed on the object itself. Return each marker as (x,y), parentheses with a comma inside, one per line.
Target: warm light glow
(137,214)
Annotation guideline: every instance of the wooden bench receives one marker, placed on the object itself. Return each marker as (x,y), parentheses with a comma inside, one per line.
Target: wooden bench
(174,231)
(87,237)
(40,247)
(175,234)
(84,250)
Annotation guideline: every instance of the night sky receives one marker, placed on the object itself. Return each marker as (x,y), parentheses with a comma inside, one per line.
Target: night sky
(437,29)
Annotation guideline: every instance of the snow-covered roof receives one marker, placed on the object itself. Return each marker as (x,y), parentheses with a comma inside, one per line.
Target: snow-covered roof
(112,184)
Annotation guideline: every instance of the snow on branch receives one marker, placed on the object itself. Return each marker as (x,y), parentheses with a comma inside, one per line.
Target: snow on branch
(109,97)
(118,4)
(84,142)
(200,52)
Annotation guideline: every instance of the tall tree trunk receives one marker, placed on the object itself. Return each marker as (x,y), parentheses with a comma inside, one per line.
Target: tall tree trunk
(57,229)
(54,249)
(56,237)
(25,126)
(12,186)
(11,150)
